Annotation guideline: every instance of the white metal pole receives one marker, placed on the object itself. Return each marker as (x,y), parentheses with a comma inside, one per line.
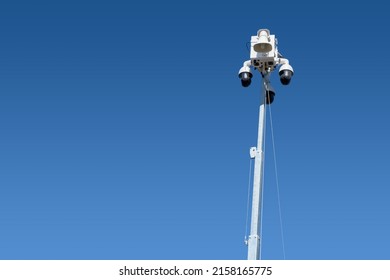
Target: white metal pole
(254,237)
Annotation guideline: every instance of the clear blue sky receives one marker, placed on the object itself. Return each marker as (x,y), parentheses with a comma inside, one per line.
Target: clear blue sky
(125,132)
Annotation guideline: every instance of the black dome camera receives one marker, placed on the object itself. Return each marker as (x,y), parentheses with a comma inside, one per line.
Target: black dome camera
(285,73)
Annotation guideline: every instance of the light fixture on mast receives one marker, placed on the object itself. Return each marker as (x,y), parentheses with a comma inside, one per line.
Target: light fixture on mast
(264,57)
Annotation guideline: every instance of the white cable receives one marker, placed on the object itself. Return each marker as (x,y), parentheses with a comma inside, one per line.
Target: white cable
(277,181)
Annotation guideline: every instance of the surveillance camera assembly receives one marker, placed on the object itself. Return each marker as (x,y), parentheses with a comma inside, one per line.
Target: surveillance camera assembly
(264,57)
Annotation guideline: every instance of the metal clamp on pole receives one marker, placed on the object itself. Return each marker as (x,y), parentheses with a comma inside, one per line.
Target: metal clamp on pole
(252,152)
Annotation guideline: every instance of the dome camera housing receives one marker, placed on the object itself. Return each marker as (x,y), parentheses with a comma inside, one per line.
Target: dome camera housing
(245,75)
(285,74)
(246,78)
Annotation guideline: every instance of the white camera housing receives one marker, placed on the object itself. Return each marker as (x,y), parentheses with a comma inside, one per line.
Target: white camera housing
(264,60)
(285,73)
(265,57)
